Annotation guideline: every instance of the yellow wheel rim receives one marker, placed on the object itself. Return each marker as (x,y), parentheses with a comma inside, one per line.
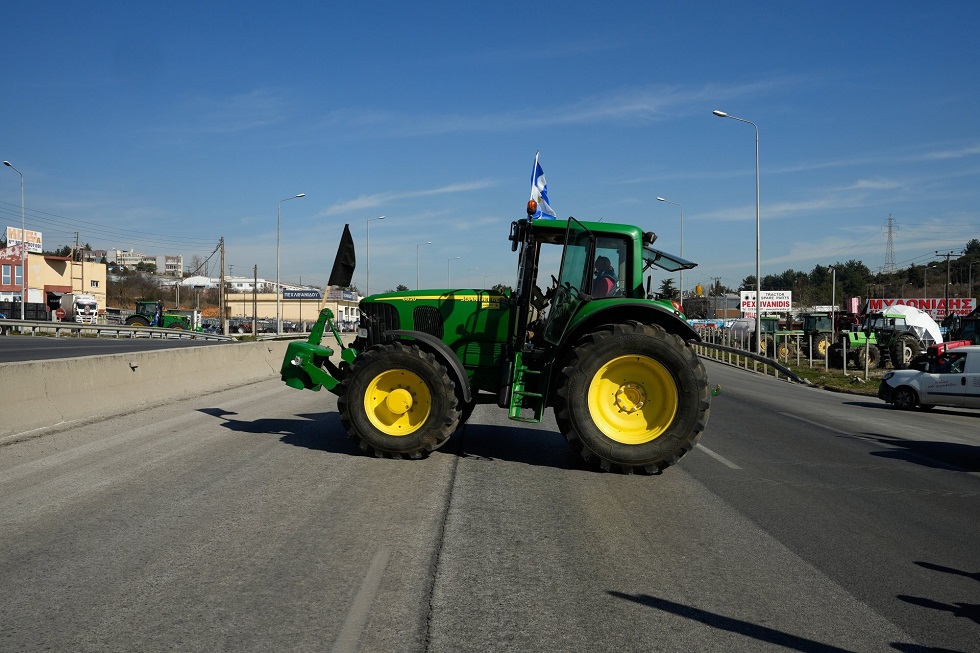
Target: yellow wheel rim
(633,399)
(397,402)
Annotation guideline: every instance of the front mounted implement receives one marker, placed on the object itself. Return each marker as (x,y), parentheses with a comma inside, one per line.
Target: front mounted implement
(308,365)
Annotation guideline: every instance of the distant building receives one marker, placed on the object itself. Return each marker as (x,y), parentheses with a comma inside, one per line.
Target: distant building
(168,264)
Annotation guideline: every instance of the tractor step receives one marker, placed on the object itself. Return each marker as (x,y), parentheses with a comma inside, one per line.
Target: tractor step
(521,399)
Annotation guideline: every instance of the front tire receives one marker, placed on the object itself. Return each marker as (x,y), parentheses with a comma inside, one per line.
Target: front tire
(905,398)
(397,401)
(633,398)
(785,350)
(873,354)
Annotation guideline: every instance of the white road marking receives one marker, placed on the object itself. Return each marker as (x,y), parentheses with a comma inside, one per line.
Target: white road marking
(360,610)
(724,461)
(817,424)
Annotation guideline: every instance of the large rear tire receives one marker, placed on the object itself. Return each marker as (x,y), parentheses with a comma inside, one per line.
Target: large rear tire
(632,398)
(821,344)
(905,351)
(397,401)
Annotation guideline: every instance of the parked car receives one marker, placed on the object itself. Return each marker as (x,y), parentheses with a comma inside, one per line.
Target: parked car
(948,375)
(238,325)
(211,325)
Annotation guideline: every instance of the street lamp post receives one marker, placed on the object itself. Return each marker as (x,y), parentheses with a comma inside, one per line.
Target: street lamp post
(833,299)
(758,273)
(451,259)
(23,243)
(428,242)
(680,281)
(971,277)
(278,287)
(367,230)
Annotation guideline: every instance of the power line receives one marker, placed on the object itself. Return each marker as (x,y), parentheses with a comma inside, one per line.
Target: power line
(65,226)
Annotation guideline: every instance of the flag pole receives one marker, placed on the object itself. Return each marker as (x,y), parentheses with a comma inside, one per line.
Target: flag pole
(534,170)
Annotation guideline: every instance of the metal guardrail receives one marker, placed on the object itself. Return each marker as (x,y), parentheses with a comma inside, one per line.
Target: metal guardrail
(77,329)
(742,358)
(725,347)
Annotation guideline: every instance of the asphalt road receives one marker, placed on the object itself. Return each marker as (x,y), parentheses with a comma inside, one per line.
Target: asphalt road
(246,521)
(27,348)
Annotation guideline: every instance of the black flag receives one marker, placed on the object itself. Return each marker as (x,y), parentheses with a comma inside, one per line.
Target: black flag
(343,264)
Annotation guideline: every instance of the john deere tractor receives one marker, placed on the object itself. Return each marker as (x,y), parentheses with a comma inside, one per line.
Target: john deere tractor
(152,313)
(628,391)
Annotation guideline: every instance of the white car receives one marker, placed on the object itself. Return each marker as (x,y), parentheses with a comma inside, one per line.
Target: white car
(950,376)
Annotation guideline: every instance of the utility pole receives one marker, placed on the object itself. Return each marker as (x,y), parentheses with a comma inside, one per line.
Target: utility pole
(255,300)
(717,281)
(946,287)
(221,291)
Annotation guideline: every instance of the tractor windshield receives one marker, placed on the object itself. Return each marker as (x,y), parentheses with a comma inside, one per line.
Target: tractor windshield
(574,279)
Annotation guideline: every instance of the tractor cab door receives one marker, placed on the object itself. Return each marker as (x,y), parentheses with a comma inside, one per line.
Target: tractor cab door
(574,280)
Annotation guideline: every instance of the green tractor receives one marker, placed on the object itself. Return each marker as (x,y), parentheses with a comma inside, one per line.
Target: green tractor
(152,313)
(959,327)
(896,340)
(861,349)
(818,329)
(774,343)
(628,391)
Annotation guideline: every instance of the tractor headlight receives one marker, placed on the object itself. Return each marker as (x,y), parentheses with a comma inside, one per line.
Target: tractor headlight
(297,361)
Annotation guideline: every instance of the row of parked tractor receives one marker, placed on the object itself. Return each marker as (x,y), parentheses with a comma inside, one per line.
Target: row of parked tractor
(891,338)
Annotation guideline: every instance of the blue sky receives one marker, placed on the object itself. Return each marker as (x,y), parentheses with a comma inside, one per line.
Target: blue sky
(162,127)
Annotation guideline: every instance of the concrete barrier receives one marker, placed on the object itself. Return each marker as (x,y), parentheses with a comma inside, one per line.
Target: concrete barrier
(39,394)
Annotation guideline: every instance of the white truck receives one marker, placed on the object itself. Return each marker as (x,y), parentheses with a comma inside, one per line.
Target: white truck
(948,375)
(80,307)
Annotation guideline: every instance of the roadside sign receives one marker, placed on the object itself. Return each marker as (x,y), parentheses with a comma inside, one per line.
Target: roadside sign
(60,314)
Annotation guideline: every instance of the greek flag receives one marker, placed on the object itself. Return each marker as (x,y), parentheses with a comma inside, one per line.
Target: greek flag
(539,192)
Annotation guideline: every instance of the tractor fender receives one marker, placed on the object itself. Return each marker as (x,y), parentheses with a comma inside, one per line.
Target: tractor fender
(626,311)
(441,351)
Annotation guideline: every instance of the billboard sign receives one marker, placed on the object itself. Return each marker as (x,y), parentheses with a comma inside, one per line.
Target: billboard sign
(934,306)
(773,301)
(33,239)
(302,294)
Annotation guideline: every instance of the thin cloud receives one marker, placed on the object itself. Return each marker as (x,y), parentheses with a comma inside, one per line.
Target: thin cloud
(381,199)
(631,105)
(227,115)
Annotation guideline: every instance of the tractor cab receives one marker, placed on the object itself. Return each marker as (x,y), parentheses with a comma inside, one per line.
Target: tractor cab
(960,327)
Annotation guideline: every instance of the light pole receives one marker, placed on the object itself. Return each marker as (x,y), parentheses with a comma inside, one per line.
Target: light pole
(23,243)
(971,277)
(278,288)
(451,259)
(367,230)
(758,273)
(428,242)
(680,281)
(833,298)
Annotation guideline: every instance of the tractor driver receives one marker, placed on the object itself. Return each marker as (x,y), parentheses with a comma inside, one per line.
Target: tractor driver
(605,278)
